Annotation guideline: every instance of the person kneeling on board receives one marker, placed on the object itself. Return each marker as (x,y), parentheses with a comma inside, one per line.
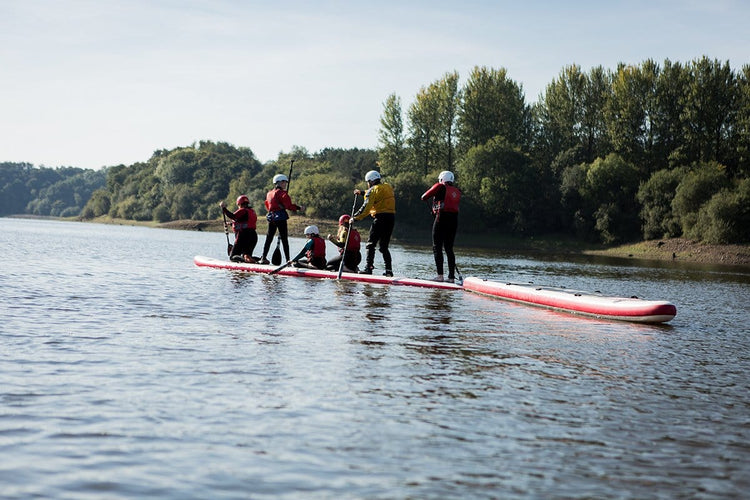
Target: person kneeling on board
(347,237)
(313,254)
(243,223)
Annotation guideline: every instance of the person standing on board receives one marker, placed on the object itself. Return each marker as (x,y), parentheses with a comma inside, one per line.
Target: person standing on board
(445,200)
(380,204)
(277,203)
(313,254)
(243,223)
(351,254)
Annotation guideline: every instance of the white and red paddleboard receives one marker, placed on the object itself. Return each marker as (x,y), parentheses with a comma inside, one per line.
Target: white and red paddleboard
(316,273)
(577,302)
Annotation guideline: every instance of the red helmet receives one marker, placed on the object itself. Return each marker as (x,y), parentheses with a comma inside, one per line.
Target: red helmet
(344,219)
(242,199)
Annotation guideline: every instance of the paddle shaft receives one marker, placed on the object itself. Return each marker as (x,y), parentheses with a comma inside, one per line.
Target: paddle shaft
(226,232)
(281,267)
(460,277)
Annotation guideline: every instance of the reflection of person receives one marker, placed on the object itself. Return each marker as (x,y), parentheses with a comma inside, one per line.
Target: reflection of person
(380,204)
(243,223)
(351,254)
(313,254)
(277,203)
(445,200)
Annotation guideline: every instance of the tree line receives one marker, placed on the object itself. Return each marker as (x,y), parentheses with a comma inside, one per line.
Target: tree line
(638,152)
(45,191)
(646,151)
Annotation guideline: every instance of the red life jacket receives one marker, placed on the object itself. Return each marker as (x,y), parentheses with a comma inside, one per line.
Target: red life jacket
(354,240)
(452,199)
(318,249)
(445,198)
(244,218)
(278,199)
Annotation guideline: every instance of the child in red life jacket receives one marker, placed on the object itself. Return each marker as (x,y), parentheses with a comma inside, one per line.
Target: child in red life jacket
(313,254)
(243,223)
(351,254)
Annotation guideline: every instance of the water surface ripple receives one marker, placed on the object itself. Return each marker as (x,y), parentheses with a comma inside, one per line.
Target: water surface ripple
(127,372)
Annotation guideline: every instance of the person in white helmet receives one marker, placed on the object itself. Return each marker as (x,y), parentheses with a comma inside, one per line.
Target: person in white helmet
(313,254)
(380,204)
(277,203)
(445,200)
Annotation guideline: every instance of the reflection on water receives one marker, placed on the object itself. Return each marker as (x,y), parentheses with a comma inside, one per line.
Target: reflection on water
(217,384)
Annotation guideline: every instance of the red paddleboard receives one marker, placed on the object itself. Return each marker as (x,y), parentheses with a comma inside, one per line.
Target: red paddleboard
(577,302)
(316,273)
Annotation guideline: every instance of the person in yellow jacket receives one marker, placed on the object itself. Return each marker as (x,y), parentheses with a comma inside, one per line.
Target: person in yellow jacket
(380,204)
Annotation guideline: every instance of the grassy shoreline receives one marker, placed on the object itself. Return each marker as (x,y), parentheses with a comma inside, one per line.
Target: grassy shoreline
(673,249)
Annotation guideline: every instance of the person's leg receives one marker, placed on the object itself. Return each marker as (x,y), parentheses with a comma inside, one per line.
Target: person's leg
(372,242)
(284,234)
(269,238)
(252,241)
(386,223)
(437,245)
(449,235)
(333,264)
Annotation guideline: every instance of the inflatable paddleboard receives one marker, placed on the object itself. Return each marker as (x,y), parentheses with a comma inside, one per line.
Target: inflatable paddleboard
(577,302)
(316,273)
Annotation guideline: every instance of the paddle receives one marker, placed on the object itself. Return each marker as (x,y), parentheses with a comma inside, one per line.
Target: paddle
(281,267)
(346,242)
(276,256)
(460,280)
(226,231)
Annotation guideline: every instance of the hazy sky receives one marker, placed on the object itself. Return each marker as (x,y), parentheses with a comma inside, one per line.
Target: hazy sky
(92,83)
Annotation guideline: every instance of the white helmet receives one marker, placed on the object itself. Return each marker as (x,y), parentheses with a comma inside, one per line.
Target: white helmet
(311,230)
(445,176)
(372,175)
(279,178)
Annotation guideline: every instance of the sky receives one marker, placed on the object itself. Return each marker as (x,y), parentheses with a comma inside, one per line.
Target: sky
(94,83)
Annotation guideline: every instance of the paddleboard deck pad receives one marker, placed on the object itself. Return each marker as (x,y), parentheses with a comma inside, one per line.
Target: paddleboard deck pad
(575,301)
(316,273)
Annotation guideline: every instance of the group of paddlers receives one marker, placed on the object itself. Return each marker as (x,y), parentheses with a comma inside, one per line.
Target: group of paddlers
(379,203)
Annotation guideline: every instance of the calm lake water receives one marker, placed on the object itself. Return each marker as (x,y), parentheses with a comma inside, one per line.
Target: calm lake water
(128,372)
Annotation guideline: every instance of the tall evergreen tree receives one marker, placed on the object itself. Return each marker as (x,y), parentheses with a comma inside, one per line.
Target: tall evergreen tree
(391,141)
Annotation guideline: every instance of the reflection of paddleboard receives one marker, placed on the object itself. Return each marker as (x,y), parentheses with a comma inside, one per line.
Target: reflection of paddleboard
(574,301)
(316,273)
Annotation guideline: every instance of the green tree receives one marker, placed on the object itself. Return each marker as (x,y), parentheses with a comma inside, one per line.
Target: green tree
(492,105)
(655,197)
(742,124)
(603,193)
(725,218)
(425,130)
(324,196)
(697,187)
(709,110)
(668,120)
(500,177)
(631,113)
(560,113)
(391,140)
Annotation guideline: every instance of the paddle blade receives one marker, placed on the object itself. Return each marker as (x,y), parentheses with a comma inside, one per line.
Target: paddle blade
(276,257)
(229,248)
